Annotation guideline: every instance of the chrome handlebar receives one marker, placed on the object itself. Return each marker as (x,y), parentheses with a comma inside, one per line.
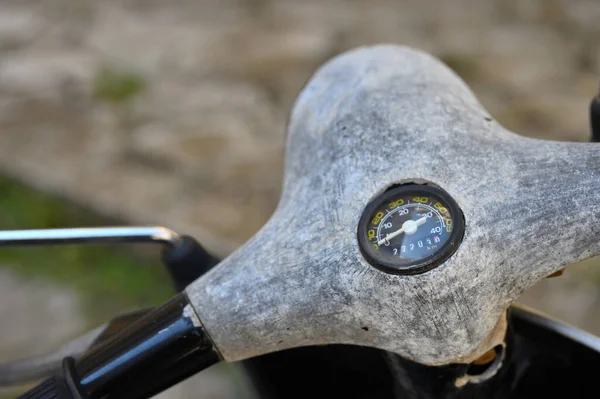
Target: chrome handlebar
(89,235)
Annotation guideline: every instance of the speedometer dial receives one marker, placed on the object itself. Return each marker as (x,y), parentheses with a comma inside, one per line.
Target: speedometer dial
(410,229)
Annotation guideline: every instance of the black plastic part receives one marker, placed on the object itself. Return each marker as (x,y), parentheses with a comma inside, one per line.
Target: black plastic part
(595,118)
(62,386)
(149,355)
(69,373)
(187,261)
(422,265)
(331,371)
(551,360)
(51,388)
(543,359)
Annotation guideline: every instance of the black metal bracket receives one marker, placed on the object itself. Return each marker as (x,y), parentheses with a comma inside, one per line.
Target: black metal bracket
(595,118)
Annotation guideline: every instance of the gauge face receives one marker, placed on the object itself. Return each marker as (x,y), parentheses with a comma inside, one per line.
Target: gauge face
(410,229)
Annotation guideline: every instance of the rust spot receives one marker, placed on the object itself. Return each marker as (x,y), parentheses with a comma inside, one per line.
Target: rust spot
(486,358)
(557,274)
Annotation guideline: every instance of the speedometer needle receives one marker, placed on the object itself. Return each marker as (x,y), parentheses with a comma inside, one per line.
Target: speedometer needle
(408,227)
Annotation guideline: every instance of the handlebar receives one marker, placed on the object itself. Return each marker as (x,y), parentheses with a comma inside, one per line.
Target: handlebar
(368,120)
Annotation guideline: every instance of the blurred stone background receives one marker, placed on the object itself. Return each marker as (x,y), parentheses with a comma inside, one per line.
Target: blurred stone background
(173,113)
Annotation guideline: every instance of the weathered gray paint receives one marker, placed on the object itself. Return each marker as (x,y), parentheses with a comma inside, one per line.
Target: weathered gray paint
(367,119)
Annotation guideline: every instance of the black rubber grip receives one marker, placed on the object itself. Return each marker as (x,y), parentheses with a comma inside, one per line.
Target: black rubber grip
(52,388)
(61,386)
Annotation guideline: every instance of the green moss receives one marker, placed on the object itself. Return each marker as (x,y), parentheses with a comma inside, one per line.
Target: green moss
(110,279)
(118,86)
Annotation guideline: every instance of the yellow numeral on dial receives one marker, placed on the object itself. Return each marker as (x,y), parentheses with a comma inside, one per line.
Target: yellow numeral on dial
(377,218)
(440,207)
(396,204)
(449,225)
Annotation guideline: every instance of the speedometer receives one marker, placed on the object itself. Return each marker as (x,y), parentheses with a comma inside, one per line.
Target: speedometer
(410,229)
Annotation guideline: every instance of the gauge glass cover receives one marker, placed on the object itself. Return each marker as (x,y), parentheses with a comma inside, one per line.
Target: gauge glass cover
(410,229)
